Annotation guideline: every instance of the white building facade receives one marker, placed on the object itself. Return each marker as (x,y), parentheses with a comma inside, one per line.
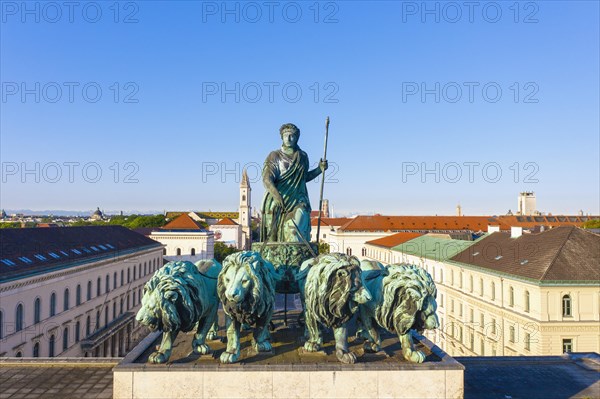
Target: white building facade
(73,291)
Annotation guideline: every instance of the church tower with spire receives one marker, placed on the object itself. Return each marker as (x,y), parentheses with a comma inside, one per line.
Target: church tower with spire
(245,216)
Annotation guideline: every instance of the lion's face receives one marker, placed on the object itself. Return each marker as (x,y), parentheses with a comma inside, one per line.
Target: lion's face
(238,283)
(359,293)
(426,318)
(150,313)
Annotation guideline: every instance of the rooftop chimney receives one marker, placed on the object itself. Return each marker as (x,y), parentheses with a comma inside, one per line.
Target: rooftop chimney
(516,232)
(493,229)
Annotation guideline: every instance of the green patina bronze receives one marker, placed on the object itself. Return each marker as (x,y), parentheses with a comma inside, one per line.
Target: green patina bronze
(181,296)
(403,300)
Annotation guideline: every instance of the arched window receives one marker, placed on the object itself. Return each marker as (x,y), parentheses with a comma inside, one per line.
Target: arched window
(193,251)
(88,326)
(77,331)
(145,268)
(89,290)
(52,304)
(511,337)
(66,300)
(97,327)
(51,342)
(481,286)
(471,283)
(115,281)
(37,310)
(128,275)
(114,310)
(121,307)
(511,296)
(107,283)
(164,251)
(106,316)
(134,273)
(527,301)
(65,338)
(493,291)
(178,252)
(99,287)
(19,317)
(36,349)
(19,354)
(243,198)
(122,279)
(133,299)
(78,295)
(460,280)
(566,306)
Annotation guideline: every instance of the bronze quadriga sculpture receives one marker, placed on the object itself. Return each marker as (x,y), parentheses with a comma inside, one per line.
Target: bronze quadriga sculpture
(180,296)
(403,299)
(246,289)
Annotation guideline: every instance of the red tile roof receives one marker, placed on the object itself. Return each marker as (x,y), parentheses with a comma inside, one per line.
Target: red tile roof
(394,239)
(226,222)
(422,223)
(545,220)
(183,222)
(330,221)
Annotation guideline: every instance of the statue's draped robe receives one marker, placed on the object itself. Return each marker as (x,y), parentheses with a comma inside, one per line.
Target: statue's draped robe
(288,172)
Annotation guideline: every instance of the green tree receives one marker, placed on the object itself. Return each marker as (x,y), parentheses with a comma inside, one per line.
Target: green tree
(592,224)
(222,251)
(323,248)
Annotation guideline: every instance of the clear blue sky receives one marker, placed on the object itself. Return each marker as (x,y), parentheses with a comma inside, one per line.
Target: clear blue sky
(370,57)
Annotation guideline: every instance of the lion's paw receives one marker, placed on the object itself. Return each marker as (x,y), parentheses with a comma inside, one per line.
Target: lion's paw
(158,357)
(371,347)
(345,357)
(264,346)
(202,349)
(227,357)
(415,357)
(212,336)
(312,347)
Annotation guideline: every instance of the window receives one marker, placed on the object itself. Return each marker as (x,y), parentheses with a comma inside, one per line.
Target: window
(134,273)
(527,301)
(99,287)
(472,315)
(460,310)
(108,283)
(441,275)
(480,286)
(460,335)
(494,326)
(89,290)
(511,334)
(133,299)
(349,251)
(121,307)
(97,326)
(566,306)
(482,347)
(106,316)
(37,305)
(482,319)
(527,341)
(460,279)
(472,341)
(178,252)
(88,326)
(363,251)
(78,295)
(52,304)
(451,277)
(452,305)
(441,300)
(1,324)
(128,275)
(19,354)
(433,273)
(36,349)
(66,300)
(77,331)
(567,345)
(65,338)
(51,346)
(471,283)
(193,252)
(511,296)
(122,279)
(493,291)
(164,251)
(19,317)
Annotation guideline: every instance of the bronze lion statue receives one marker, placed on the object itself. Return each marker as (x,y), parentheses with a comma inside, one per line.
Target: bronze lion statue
(247,291)
(403,299)
(180,296)
(332,292)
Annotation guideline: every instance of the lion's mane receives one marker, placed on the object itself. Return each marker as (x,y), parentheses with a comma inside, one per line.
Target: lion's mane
(174,298)
(329,285)
(260,300)
(406,291)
